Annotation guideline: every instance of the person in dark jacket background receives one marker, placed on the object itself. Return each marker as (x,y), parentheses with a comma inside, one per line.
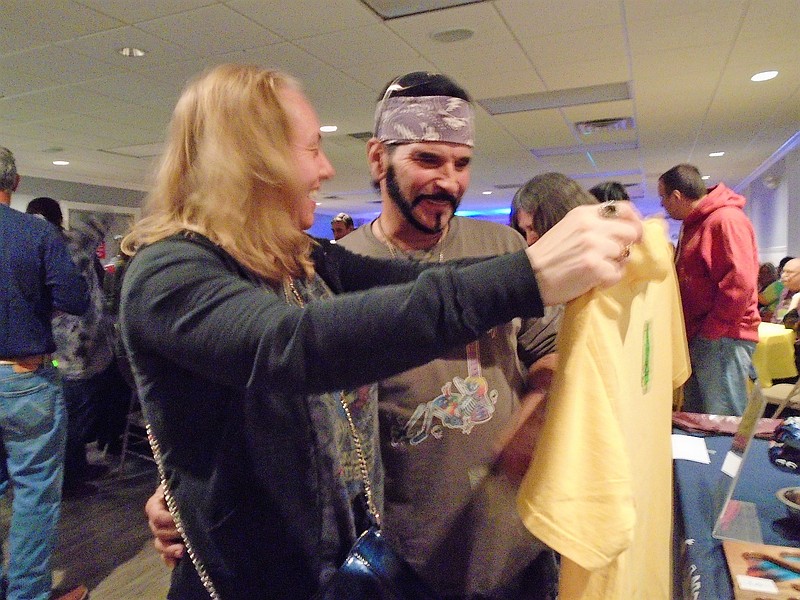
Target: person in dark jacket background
(84,350)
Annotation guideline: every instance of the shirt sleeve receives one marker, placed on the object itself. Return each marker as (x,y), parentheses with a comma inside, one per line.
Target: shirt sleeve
(537,337)
(68,289)
(771,293)
(181,301)
(732,267)
(795,301)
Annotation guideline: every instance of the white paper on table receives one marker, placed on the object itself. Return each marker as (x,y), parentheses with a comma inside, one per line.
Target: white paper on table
(731,464)
(689,447)
(756,584)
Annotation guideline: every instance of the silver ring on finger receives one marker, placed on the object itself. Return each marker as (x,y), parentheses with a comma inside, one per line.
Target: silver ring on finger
(608,209)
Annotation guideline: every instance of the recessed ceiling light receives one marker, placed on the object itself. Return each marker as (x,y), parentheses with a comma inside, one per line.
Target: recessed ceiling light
(486,193)
(706,177)
(131,52)
(328,128)
(61,163)
(452,35)
(716,154)
(764,76)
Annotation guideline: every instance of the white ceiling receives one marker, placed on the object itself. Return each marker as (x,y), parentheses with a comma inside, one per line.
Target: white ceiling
(67,94)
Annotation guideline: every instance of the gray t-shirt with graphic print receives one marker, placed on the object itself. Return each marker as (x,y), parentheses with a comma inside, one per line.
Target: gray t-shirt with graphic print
(439,423)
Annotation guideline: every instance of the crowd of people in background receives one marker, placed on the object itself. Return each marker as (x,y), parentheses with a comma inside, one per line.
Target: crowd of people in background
(439,371)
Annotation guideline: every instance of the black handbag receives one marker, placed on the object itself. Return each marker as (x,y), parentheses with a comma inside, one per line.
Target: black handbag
(372,569)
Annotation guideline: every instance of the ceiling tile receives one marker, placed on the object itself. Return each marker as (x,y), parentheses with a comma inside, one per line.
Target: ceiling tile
(688,63)
(305,18)
(677,11)
(607,42)
(104,47)
(533,18)
(356,46)
(27,25)
(538,128)
(482,19)
(210,30)
(14,82)
(50,63)
(143,10)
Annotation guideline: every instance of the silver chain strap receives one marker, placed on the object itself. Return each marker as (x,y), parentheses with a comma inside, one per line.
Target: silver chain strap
(362,462)
(205,578)
(296,298)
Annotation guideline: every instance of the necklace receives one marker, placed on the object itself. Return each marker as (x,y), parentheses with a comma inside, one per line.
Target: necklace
(290,287)
(372,508)
(394,250)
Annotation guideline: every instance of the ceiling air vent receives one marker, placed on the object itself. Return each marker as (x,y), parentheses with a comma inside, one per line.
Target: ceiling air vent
(595,125)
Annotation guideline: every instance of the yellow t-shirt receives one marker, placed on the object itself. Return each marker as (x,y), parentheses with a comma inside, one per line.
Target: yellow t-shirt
(599,488)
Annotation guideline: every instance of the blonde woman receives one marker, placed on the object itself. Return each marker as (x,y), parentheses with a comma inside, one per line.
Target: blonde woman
(231,317)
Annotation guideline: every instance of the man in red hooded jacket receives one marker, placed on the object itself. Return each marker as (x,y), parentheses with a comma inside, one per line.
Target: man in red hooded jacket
(717,264)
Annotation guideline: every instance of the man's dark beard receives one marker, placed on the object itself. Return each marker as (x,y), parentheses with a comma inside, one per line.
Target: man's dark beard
(407,208)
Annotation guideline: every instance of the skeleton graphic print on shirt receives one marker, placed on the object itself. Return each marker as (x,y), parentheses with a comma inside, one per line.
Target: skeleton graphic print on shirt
(463,403)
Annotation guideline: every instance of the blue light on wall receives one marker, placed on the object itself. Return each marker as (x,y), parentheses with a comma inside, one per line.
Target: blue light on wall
(492,212)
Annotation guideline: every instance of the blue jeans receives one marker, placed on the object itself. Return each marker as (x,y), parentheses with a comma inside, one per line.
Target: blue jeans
(33,427)
(718,384)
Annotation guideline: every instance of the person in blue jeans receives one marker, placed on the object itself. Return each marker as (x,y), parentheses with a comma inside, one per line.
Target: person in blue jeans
(37,276)
(717,264)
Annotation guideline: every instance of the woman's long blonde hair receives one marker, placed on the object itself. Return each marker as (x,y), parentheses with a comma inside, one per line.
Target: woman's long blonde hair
(227,172)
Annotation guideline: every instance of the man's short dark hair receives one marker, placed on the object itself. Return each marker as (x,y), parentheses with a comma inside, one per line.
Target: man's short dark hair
(420,83)
(423,83)
(343,218)
(8,170)
(609,190)
(48,208)
(686,179)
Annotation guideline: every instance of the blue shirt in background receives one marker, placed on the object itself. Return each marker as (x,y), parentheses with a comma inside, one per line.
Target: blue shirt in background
(37,276)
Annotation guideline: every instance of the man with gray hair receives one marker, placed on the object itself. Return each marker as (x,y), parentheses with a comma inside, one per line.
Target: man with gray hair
(38,277)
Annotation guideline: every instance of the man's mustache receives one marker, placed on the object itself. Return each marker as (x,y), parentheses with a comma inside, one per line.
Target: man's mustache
(440,197)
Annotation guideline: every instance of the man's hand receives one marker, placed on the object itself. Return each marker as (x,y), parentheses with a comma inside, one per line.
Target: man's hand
(167,538)
(515,447)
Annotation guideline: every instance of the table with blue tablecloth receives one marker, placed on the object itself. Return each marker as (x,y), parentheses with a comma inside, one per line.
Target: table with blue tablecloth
(701,570)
